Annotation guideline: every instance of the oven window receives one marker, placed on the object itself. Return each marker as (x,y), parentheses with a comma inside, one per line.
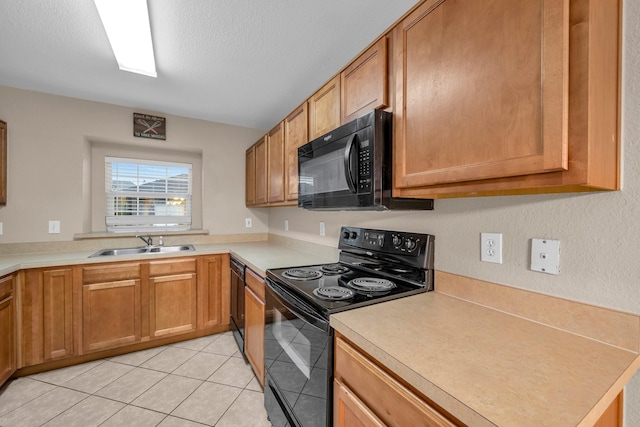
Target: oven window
(296,358)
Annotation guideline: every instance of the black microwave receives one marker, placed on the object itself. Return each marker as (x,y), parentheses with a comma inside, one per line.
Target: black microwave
(350,168)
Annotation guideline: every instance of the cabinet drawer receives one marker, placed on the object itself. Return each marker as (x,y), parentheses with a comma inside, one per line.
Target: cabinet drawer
(169,267)
(391,401)
(255,283)
(6,287)
(110,273)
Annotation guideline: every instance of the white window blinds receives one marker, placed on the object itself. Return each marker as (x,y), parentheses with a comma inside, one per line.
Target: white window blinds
(146,195)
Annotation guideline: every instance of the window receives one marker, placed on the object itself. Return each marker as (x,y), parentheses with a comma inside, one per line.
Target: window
(145,195)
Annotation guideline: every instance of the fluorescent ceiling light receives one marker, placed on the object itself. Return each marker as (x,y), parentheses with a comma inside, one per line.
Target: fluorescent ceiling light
(127,25)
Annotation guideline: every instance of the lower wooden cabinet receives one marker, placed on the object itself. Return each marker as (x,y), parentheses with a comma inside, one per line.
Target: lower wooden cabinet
(368,396)
(110,314)
(7,328)
(46,319)
(214,293)
(254,322)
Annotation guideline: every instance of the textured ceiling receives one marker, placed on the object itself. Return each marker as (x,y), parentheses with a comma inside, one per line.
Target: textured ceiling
(242,62)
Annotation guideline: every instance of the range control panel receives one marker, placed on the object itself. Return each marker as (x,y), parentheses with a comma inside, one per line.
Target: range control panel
(392,242)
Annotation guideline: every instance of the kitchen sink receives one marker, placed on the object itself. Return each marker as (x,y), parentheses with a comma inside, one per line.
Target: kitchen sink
(143,250)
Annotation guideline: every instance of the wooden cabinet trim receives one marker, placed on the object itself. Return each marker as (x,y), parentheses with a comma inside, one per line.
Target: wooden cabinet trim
(8,329)
(350,411)
(250,176)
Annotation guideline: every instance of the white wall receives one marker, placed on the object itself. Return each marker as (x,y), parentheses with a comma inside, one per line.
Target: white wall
(49,160)
(599,233)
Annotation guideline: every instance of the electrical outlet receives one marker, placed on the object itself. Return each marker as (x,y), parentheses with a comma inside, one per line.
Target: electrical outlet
(286,225)
(491,247)
(1,229)
(54,227)
(545,256)
(322,228)
(247,223)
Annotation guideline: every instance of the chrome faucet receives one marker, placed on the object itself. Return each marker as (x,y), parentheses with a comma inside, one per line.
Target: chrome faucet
(148,240)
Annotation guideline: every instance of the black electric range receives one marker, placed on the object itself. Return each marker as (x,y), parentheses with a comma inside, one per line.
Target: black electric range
(373,266)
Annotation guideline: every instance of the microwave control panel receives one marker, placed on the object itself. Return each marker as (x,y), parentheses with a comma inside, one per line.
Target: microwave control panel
(364,167)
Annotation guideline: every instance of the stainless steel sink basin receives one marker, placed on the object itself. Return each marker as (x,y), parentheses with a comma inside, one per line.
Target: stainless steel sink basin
(143,250)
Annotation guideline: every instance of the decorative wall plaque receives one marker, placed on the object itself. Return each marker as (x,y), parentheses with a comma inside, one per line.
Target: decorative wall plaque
(147,126)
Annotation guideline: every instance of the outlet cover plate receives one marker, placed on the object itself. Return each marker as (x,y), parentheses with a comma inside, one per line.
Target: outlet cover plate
(491,247)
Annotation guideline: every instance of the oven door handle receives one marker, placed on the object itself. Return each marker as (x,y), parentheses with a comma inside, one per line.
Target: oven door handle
(347,163)
(296,306)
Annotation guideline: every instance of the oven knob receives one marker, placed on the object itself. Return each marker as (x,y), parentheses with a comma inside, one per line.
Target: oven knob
(410,244)
(345,235)
(354,235)
(396,240)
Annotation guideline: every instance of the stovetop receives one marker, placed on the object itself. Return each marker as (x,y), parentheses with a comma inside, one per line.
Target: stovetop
(403,262)
(305,288)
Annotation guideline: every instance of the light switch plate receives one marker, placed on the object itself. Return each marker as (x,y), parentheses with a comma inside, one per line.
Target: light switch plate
(322,228)
(545,256)
(54,227)
(247,223)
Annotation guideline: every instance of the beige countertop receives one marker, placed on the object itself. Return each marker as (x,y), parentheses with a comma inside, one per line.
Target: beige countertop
(259,256)
(488,367)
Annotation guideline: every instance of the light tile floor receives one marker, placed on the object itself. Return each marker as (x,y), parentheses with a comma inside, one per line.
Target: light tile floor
(204,381)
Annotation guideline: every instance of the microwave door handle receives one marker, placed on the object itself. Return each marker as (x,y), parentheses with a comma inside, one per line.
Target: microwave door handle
(347,163)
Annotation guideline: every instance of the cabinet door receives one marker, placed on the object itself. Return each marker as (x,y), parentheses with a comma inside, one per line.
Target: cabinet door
(46,315)
(57,292)
(250,177)
(110,314)
(261,171)
(349,411)
(363,84)
(324,109)
(254,322)
(7,329)
(481,91)
(172,304)
(275,156)
(214,291)
(295,135)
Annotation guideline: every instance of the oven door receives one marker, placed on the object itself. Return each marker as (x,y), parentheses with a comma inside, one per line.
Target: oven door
(298,361)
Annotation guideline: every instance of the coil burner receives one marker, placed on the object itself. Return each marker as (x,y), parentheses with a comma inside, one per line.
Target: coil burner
(371,285)
(302,274)
(334,269)
(333,293)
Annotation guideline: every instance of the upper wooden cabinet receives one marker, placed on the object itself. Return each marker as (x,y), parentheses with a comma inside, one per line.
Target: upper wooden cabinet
(3,163)
(275,162)
(250,176)
(261,170)
(324,109)
(364,83)
(486,103)
(295,135)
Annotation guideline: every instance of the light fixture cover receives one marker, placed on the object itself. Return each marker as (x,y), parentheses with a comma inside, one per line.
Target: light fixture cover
(127,25)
